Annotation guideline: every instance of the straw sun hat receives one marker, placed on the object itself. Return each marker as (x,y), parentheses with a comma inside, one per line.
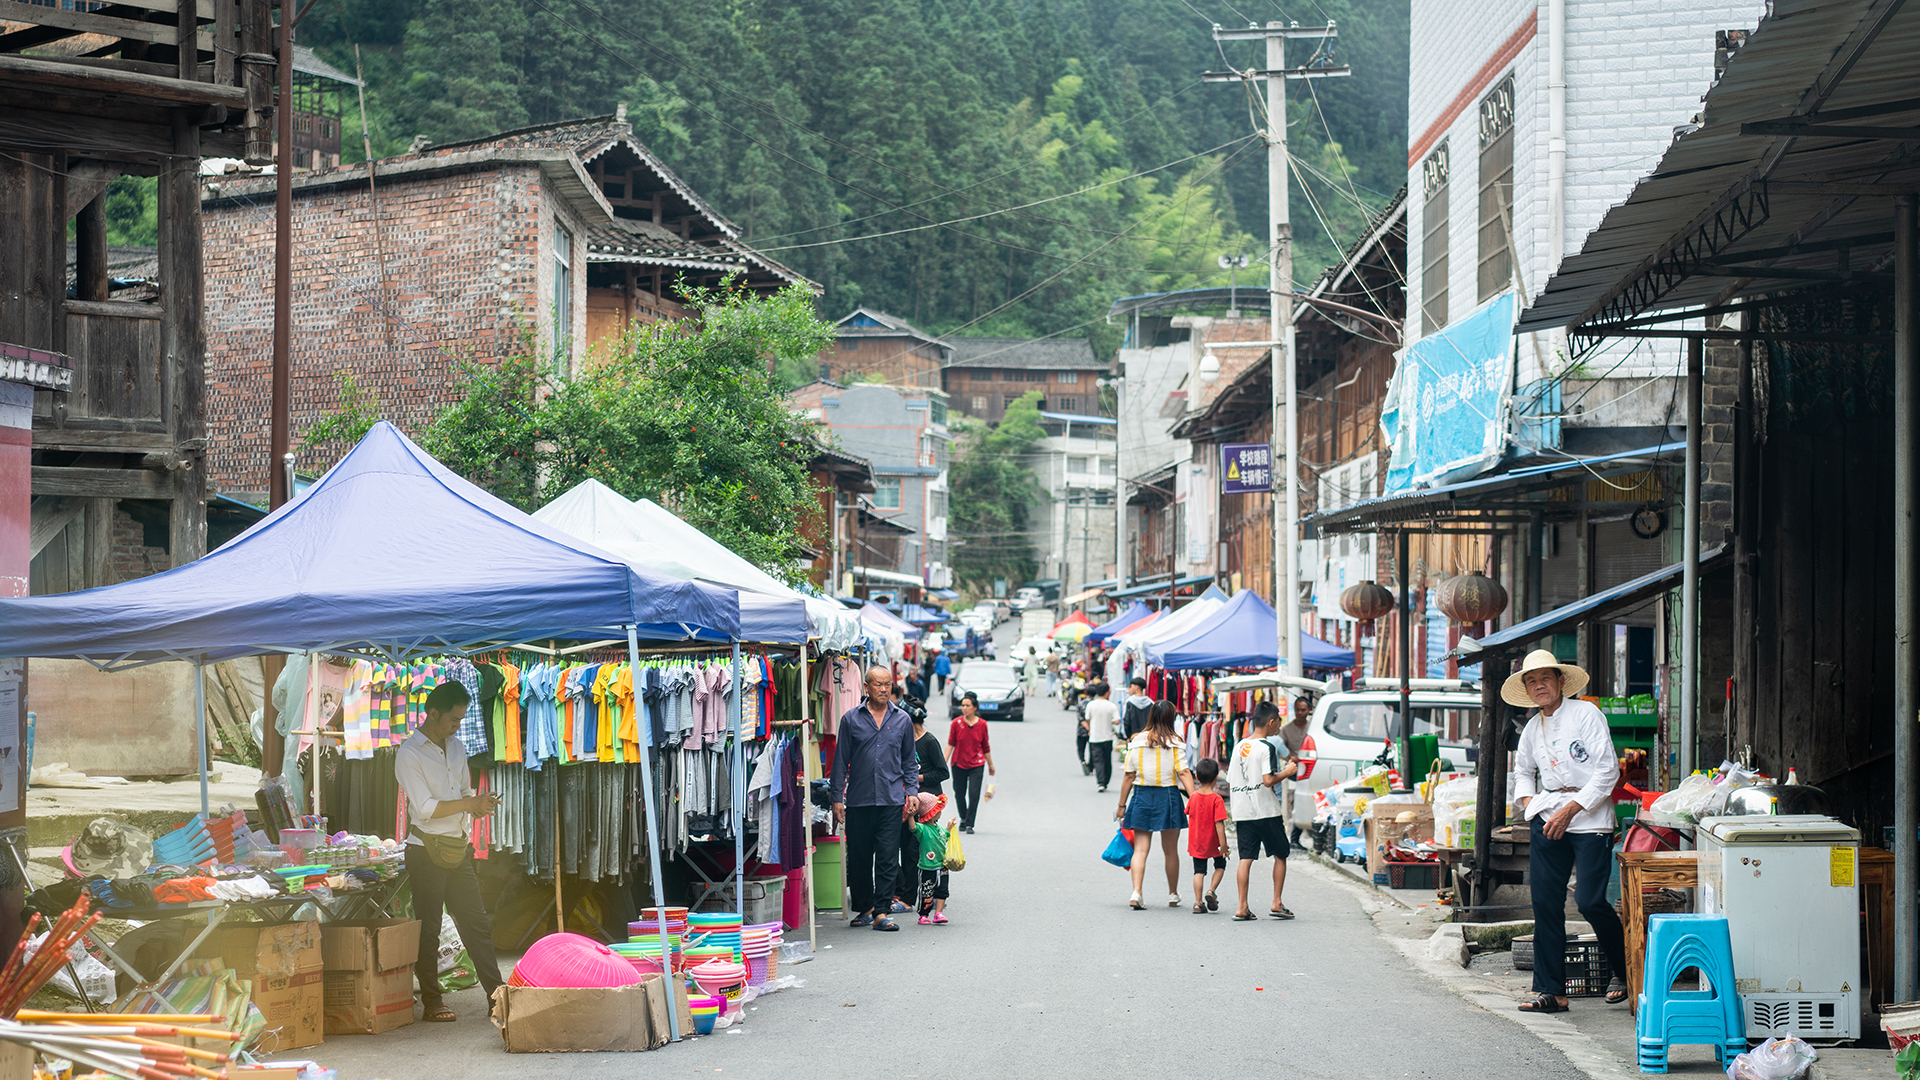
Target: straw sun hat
(1514,690)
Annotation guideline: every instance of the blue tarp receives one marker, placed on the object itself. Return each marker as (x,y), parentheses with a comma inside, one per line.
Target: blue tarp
(390,553)
(919,615)
(1241,634)
(1446,410)
(1134,613)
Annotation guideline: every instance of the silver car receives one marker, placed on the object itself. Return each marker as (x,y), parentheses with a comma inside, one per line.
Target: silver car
(995,684)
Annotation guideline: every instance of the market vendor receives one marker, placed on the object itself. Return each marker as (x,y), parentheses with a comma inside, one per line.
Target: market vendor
(431,767)
(1564,774)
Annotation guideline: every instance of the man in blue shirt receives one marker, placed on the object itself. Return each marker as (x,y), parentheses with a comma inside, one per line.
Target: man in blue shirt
(875,772)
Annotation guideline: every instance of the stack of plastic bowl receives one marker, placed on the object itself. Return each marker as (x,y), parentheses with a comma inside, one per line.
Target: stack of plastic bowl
(757,945)
(723,978)
(715,928)
(644,954)
(649,922)
(706,1012)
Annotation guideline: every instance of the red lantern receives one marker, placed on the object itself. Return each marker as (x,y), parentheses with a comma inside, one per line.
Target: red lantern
(1471,598)
(1366,601)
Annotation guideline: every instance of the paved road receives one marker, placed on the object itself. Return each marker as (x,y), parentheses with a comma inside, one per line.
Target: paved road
(1044,971)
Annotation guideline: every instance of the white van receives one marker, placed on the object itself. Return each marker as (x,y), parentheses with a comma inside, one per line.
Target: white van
(1351,727)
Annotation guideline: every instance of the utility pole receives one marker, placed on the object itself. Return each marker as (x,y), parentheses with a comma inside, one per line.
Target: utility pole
(1286,509)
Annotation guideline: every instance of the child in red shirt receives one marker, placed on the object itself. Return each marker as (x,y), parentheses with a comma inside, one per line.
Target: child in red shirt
(1206,834)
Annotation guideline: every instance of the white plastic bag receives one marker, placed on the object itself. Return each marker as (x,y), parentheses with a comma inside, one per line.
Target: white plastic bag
(95,976)
(1685,801)
(1775,1059)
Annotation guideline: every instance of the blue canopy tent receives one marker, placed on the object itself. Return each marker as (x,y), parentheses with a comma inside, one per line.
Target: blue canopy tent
(1242,634)
(1134,613)
(922,616)
(389,555)
(873,613)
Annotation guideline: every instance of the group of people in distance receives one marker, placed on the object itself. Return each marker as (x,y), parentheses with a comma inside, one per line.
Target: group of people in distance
(888,772)
(1161,793)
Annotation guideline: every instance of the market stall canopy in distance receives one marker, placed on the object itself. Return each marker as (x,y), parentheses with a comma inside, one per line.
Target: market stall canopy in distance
(390,554)
(653,539)
(1243,633)
(1134,613)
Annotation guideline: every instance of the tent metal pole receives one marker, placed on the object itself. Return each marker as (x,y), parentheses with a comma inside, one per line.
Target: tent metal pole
(739,794)
(656,817)
(200,729)
(806,801)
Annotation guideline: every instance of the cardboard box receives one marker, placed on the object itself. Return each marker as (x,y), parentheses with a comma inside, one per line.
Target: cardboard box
(1383,831)
(535,1020)
(369,975)
(285,966)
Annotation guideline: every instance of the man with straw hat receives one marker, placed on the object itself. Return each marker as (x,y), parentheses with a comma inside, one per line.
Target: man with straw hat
(1564,772)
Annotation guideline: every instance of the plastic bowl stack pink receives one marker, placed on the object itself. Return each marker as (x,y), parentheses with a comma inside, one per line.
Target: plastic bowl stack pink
(722,978)
(570,960)
(758,943)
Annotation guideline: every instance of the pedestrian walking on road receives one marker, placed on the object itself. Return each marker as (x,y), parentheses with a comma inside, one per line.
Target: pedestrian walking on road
(942,671)
(1156,777)
(1138,705)
(1053,673)
(930,868)
(907,888)
(1102,717)
(1030,670)
(1254,775)
(874,774)
(1563,777)
(1207,836)
(970,752)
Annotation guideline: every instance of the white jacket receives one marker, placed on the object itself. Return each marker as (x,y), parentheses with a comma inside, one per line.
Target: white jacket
(1571,749)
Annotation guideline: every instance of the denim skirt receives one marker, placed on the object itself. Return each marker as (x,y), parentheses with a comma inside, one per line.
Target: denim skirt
(1155,809)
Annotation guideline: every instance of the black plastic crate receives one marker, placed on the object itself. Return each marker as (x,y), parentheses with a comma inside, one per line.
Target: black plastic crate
(1587,971)
(1413,875)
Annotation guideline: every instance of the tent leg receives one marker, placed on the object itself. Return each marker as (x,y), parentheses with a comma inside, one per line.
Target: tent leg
(200,731)
(739,794)
(806,772)
(656,816)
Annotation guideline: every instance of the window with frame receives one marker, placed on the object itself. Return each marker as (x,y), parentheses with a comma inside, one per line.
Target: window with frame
(1066,404)
(886,492)
(978,403)
(1070,378)
(848,344)
(562,293)
(1433,240)
(1496,189)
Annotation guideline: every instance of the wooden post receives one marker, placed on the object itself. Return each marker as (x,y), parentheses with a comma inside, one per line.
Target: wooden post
(1490,796)
(183,340)
(90,249)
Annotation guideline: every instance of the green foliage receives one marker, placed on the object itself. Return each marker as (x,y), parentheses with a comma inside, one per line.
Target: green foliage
(133,211)
(992,492)
(357,409)
(870,128)
(690,414)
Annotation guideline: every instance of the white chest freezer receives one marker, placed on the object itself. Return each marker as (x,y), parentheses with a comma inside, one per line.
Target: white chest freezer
(1789,887)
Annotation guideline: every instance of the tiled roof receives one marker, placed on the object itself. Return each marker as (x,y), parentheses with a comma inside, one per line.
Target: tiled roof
(890,325)
(1047,353)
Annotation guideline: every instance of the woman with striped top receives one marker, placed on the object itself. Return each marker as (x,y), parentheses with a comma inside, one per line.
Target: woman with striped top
(1157,778)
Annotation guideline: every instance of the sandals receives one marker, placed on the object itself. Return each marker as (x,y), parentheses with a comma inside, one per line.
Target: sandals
(1280,912)
(1545,1003)
(1213,902)
(1135,903)
(1616,990)
(1200,908)
(437,1014)
(865,918)
(884,923)
(1248,917)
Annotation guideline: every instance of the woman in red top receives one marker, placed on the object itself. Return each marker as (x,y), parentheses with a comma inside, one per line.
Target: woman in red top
(968,751)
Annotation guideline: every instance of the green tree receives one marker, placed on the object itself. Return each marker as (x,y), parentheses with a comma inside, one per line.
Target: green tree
(993,491)
(690,414)
(356,410)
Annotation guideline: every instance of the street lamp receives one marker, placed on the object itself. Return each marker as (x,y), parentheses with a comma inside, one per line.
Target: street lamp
(1232,264)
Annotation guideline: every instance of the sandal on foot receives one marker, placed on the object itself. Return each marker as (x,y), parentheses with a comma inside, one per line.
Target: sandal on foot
(1616,991)
(437,1014)
(1545,1003)
(884,923)
(1213,902)
(1280,912)
(1248,917)
(1200,909)
(865,918)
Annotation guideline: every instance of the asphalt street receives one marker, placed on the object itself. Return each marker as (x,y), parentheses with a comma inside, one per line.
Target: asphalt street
(1045,971)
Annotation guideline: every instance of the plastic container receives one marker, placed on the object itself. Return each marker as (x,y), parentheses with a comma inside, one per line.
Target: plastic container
(793,901)
(829,874)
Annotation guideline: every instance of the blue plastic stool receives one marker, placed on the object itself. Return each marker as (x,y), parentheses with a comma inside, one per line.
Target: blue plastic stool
(1669,1017)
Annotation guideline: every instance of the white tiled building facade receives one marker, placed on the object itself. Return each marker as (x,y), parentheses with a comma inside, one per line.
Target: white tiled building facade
(1635,69)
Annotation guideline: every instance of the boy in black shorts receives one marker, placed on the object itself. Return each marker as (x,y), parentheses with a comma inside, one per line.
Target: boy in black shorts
(1206,835)
(1254,774)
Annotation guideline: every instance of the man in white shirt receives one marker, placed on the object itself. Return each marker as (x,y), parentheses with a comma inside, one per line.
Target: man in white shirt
(1564,772)
(1254,772)
(1102,716)
(431,767)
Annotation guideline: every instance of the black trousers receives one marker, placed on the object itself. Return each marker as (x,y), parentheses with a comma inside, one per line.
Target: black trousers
(1588,857)
(966,792)
(1102,754)
(1080,744)
(455,892)
(873,856)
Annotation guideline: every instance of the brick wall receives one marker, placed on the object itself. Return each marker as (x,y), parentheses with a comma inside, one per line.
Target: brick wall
(467,264)
(132,557)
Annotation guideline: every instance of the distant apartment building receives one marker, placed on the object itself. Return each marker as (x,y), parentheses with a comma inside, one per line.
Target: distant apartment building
(901,433)
(986,374)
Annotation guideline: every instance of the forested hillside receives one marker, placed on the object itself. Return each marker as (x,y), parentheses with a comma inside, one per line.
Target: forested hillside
(976,166)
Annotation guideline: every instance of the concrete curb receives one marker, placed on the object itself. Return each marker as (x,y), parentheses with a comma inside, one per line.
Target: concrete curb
(1582,1050)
